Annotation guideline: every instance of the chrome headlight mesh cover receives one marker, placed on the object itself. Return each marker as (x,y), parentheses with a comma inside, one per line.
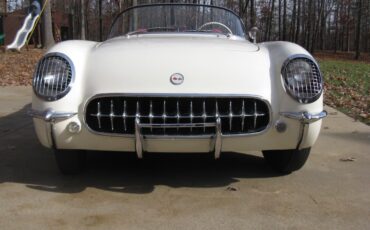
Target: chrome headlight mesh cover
(302,79)
(53,77)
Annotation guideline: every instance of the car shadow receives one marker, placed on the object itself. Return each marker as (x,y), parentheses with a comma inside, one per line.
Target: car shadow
(23,160)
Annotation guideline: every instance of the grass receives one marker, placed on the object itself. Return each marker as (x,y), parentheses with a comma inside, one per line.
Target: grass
(347,86)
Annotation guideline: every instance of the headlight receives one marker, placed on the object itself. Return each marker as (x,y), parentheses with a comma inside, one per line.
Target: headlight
(302,79)
(53,77)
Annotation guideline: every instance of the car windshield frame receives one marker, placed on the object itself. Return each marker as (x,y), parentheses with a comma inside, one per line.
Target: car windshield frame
(111,35)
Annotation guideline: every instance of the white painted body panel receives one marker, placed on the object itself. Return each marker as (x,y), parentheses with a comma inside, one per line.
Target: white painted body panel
(210,64)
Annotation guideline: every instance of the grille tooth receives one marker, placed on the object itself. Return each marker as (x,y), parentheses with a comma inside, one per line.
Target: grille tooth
(255,116)
(137,109)
(230,115)
(164,116)
(243,115)
(98,114)
(111,115)
(177,116)
(204,115)
(124,115)
(151,115)
(191,114)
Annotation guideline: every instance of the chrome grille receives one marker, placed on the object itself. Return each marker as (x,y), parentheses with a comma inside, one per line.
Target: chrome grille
(53,77)
(176,116)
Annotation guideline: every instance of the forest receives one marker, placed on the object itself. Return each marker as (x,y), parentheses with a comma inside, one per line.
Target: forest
(335,25)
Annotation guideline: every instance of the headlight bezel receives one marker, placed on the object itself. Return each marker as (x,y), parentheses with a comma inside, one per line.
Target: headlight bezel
(40,69)
(315,70)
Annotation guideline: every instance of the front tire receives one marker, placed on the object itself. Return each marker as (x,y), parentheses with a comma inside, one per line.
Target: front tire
(286,161)
(70,162)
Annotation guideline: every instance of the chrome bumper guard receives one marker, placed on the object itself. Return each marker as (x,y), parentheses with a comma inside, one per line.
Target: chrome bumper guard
(305,119)
(50,115)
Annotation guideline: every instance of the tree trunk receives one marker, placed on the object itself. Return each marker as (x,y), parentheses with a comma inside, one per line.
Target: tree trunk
(294,18)
(343,28)
(367,28)
(336,29)
(279,20)
(358,32)
(314,27)
(284,21)
(244,14)
(253,13)
(271,20)
(47,29)
(308,30)
(267,23)
(83,20)
(347,29)
(100,21)
(318,6)
(298,22)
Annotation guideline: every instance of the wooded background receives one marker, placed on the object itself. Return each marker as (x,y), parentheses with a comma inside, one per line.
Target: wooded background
(337,25)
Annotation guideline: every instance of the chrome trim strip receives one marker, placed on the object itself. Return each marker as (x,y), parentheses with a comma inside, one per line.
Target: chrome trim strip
(170,95)
(179,95)
(182,116)
(50,116)
(305,117)
(179,125)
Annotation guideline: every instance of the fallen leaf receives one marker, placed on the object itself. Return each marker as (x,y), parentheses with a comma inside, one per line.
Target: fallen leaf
(232,189)
(349,159)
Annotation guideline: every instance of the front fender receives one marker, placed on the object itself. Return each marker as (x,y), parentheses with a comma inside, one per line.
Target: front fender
(78,52)
(279,52)
(282,103)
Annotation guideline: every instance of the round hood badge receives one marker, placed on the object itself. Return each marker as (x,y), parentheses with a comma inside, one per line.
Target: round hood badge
(177,79)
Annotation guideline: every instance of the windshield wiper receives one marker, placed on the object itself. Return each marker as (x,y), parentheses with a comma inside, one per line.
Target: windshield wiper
(154,29)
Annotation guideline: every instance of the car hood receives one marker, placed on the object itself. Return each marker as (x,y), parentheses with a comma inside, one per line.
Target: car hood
(210,65)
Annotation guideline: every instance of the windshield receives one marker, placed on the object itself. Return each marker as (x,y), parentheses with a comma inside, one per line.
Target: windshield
(177,18)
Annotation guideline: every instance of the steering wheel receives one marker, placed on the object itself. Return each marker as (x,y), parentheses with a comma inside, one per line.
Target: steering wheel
(215,23)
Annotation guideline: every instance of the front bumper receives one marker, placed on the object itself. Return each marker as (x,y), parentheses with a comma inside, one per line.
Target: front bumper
(52,128)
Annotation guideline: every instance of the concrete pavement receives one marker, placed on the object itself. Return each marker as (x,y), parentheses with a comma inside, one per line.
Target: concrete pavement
(117,191)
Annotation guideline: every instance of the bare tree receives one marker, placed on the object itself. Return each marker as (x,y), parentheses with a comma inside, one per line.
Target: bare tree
(271,19)
(48,38)
(298,22)
(279,19)
(253,13)
(284,20)
(83,20)
(358,34)
(315,24)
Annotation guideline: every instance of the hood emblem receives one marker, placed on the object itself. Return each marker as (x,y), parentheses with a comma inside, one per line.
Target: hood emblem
(177,79)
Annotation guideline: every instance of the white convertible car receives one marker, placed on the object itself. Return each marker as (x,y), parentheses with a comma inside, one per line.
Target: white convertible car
(178,78)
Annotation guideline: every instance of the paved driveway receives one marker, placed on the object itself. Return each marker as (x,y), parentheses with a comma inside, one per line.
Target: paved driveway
(182,191)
